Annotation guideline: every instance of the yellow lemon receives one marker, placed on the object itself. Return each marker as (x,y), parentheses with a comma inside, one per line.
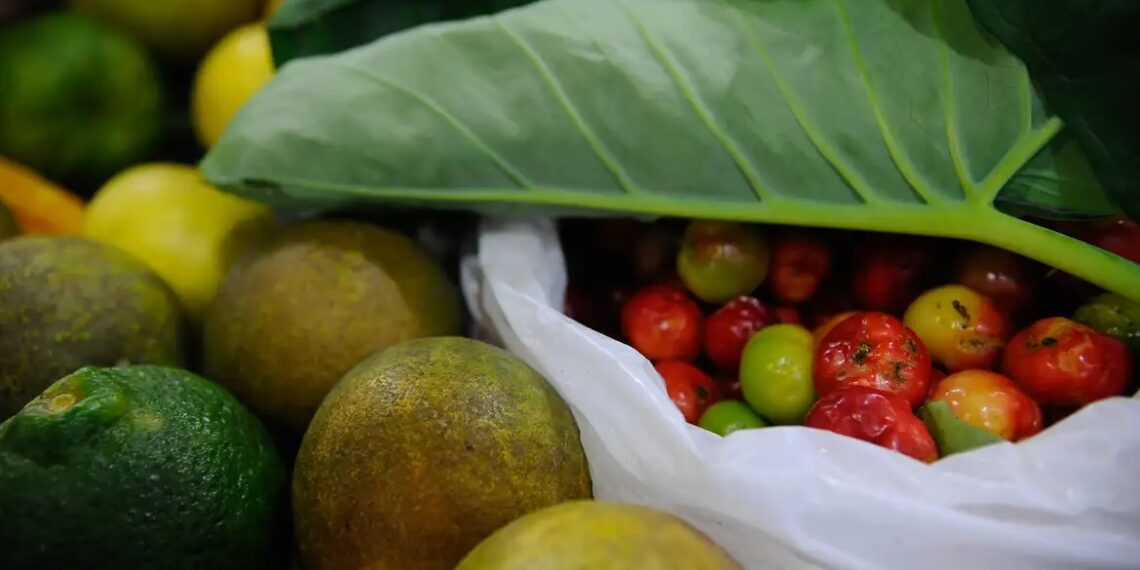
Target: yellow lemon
(188,232)
(232,72)
(178,29)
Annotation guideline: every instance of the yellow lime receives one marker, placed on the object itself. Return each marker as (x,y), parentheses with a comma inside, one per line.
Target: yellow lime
(184,229)
(232,72)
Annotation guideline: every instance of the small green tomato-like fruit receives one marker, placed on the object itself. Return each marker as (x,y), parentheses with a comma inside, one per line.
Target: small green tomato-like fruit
(719,261)
(775,373)
(725,417)
(1115,316)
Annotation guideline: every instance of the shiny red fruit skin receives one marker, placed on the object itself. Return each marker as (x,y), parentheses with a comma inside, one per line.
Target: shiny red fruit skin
(787,315)
(1003,276)
(890,276)
(662,323)
(691,390)
(1119,235)
(730,387)
(798,265)
(873,350)
(1060,362)
(728,329)
(936,376)
(883,419)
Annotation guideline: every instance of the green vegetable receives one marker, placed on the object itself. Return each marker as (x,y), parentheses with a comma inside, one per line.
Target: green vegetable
(866,114)
(952,434)
(315,27)
(1085,57)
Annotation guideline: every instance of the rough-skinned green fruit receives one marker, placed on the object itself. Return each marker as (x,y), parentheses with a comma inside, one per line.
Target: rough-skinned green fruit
(68,302)
(599,536)
(78,100)
(425,449)
(138,467)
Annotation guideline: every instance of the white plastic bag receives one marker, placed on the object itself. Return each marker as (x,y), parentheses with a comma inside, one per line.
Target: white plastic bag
(793,497)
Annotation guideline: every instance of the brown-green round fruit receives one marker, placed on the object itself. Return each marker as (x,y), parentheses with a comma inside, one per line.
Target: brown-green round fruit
(67,302)
(424,450)
(293,318)
(598,535)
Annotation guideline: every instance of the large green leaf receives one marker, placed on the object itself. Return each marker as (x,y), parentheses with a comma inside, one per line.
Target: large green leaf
(888,115)
(316,27)
(1057,184)
(1085,56)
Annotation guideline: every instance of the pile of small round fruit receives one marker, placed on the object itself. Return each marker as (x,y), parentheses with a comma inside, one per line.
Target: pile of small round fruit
(853,332)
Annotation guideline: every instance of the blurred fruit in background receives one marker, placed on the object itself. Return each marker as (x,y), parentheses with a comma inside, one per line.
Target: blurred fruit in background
(10,9)
(39,206)
(235,69)
(78,99)
(8,225)
(185,230)
(271,8)
(181,30)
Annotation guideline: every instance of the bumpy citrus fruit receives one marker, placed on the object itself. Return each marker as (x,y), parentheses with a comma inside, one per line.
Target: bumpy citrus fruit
(142,467)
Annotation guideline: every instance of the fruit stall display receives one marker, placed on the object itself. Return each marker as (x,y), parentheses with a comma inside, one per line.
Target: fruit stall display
(237,238)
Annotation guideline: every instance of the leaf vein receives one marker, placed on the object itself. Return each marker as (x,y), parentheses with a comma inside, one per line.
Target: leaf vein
(853,180)
(503,164)
(902,161)
(1025,96)
(953,137)
(555,88)
(690,95)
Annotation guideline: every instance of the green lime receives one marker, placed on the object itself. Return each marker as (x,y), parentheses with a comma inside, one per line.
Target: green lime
(775,373)
(78,100)
(727,416)
(142,467)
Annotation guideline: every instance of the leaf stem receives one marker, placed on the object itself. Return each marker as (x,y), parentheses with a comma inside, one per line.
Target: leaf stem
(1100,267)
(963,221)
(1014,160)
